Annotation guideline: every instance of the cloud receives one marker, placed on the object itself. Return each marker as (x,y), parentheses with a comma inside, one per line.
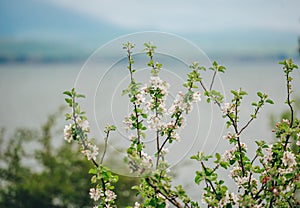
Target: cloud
(190,16)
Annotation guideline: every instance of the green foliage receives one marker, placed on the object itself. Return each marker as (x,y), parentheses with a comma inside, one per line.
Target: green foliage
(268,179)
(55,177)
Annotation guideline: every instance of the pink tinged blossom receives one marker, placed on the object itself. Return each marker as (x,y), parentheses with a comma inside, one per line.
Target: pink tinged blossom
(90,151)
(227,108)
(137,205)
(242,180)
(68,133)
(95,194)
(298,142)
(84,125)
(236,170)
(196,96)
(288,159)
(139,99)
(110,195)
(154,123)
(128,122)
(175,136)
(164,151)
(178,104)
(228,198)
(229,136)
(268,154)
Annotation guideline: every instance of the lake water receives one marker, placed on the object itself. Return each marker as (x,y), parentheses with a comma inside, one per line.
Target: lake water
(30,92)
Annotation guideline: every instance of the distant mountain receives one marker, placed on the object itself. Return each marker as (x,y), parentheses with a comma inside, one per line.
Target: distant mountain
(35,30)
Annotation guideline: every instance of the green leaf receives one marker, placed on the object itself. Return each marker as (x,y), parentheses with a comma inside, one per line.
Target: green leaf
(259,94)
(67,93)
(93,171)
(270,101)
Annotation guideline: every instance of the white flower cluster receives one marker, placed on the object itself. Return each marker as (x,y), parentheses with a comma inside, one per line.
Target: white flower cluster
(229,136)
(228,108)
(229,198)
(182,104)
(95,193)
(137,205)
(141,165)
(157,83)
(146,160)
(288,159)
(90,151)
(229,155)
(68,132)
(83,124)
(245,180)
(268,154)
(155,123)
(128,122)
(110,195)
(298,141)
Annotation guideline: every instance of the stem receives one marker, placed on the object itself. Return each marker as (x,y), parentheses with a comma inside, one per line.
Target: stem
(249,122)
(169,133)
(135,106)
(105,147)
(288,99)
(170,199)
(212,80)
(209,181)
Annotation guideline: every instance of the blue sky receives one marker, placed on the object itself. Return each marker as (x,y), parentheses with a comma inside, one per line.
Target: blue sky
(219,27)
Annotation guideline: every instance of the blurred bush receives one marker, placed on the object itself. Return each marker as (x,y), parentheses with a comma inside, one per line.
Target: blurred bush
(34,173)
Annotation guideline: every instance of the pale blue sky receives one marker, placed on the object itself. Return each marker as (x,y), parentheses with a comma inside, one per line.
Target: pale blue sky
(43,27)
(193,15)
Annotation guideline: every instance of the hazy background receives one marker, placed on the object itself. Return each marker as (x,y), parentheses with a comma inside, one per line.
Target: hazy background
(44,44)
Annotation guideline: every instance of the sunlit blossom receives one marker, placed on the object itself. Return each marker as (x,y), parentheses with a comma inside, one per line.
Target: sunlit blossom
(90,151)
(95,194)
(197,96)
(137,205)
(110,195)
(288,159)
(227,108)
(83,124)
(68,132)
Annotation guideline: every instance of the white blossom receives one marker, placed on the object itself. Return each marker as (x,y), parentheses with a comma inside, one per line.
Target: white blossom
(178,104)
(229,136)
(139,99)
(137,205)
(241,180)
(288,159)
(157,83)
(298,142)
(83,124)
(268,154)
(110,195)
(95,194)
(154,123)
(128,122)
(90,151)
(164,151)
(197,96)
(236,170)
(229,198)
(227,108)
(68,132)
